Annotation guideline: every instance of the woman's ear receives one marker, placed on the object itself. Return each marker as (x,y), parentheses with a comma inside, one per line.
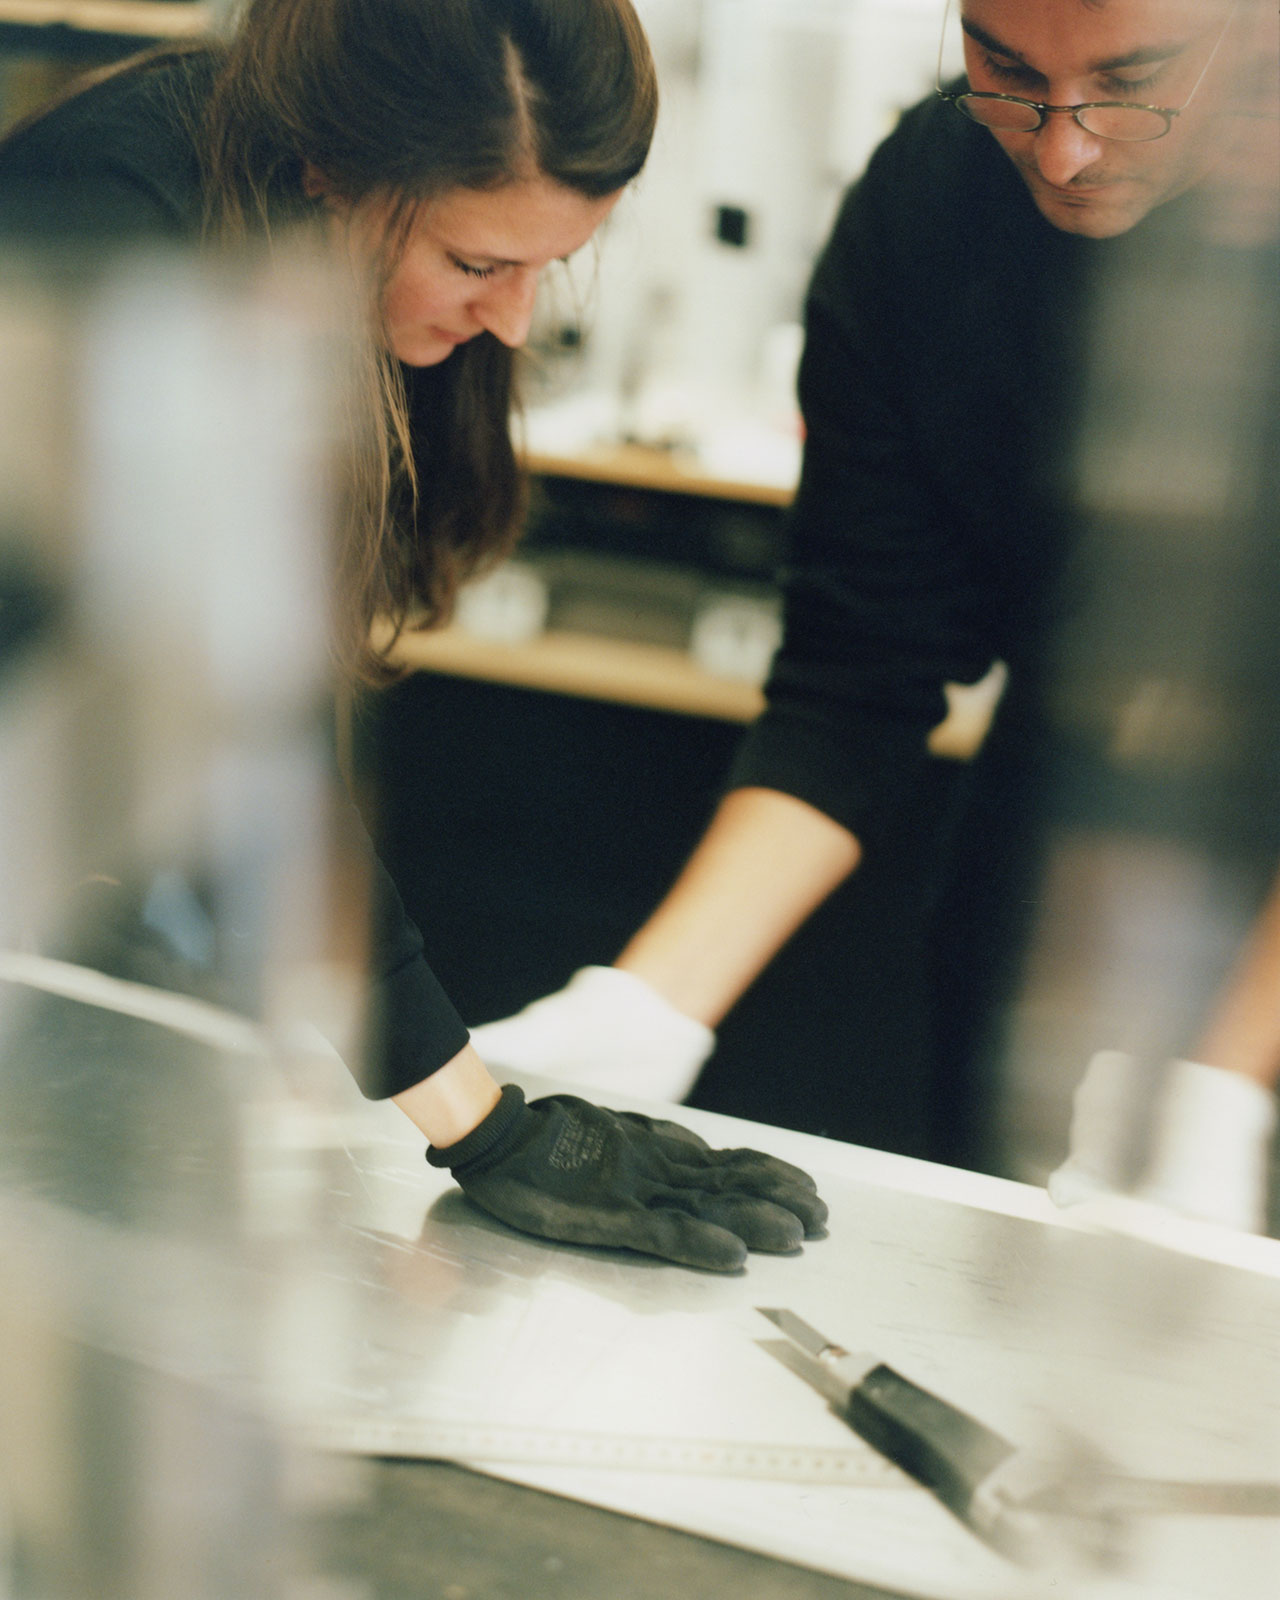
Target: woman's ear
(315,184)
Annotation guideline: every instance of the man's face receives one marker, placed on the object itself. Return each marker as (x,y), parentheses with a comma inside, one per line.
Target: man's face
(1062,52)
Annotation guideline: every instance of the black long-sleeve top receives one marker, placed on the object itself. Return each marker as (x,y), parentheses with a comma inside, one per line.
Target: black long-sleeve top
(962,356)
(928,521)
(111,167)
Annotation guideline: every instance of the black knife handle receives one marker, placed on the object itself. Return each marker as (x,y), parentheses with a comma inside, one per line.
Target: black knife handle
(941,1446)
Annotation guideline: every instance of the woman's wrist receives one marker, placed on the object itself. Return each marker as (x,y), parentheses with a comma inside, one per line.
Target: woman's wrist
(453,1101)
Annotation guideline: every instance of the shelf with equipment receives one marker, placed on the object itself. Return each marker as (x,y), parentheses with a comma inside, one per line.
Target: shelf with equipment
(57,22)
(640,467)
(633,555)
(590,666)
(44,44)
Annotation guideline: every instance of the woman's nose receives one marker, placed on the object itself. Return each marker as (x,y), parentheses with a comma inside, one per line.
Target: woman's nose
(1063,149)
(505,307)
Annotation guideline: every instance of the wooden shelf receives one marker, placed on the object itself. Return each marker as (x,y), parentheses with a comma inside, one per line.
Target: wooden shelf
(657,677)
(141,19)
(636,467)
(588,666)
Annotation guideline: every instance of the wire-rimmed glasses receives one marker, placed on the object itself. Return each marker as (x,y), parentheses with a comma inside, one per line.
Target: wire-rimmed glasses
(1106,119)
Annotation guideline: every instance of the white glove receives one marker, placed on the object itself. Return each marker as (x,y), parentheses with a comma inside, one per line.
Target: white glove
(1210,1140)
(1209,1155)
(606,1029)
(1105,1111)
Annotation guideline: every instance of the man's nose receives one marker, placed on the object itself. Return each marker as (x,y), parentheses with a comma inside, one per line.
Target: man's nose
(505,307)
(1063,149)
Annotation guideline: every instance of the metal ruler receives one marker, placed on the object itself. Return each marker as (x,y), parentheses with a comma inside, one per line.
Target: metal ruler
(858,1466)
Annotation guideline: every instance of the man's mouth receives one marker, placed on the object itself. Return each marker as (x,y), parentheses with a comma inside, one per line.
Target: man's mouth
(1074,193)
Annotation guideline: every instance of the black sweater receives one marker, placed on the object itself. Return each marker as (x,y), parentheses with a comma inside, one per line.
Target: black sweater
(106,169)
(927,521)
(958,349)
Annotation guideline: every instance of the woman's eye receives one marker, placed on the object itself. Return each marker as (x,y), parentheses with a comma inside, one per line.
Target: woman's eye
(471,270)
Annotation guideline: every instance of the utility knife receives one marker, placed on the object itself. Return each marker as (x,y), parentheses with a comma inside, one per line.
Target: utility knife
(974,1471)
(1023,1504)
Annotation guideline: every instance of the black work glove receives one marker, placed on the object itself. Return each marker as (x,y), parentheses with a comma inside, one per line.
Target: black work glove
(569,1170)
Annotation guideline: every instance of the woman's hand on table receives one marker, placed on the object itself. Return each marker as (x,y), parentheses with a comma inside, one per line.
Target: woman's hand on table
(577,1173)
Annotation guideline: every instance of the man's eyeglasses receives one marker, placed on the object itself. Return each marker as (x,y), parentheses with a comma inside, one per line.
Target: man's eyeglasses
(1106,119)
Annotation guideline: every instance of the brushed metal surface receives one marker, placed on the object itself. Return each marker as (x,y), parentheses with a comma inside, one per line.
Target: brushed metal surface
(382,1295)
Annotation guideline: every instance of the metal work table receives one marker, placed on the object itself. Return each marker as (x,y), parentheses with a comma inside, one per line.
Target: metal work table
(403,1322)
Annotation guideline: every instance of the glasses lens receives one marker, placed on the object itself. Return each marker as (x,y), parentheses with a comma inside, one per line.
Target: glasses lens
(1005,116)
(1132,123)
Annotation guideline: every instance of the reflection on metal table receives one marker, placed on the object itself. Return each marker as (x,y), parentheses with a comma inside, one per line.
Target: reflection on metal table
(386,1316)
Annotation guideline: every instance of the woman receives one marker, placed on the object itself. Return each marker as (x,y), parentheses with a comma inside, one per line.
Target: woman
(450,149)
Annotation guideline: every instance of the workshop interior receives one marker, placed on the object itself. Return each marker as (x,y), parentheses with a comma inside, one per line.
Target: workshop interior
(251,1343)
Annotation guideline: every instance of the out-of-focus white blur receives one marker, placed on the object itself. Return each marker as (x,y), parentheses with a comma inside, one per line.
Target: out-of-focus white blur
(1163,807)
(170,445)
(1163,843)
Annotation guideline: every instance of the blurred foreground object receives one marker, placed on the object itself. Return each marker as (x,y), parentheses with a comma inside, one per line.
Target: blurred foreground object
(161,683)
(1158,934)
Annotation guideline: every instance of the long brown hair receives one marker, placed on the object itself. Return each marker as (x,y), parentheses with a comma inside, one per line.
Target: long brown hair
(409,99)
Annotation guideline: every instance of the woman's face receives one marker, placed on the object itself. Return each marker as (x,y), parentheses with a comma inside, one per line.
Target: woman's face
(471,261)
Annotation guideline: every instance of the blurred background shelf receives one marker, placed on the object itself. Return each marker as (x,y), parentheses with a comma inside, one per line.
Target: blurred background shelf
(45,43)
(138,19)
(626,553)
(589,666)
(642,467)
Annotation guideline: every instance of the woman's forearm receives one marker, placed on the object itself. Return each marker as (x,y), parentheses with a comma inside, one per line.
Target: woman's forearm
(765,863)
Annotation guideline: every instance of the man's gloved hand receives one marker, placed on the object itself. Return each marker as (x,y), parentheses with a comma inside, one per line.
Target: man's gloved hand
(1107,1107)
(564,1169)
(606,1029)
(1207,1155)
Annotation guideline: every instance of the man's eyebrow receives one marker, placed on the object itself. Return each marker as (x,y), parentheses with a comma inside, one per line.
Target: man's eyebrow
(1143,56)
(988,41)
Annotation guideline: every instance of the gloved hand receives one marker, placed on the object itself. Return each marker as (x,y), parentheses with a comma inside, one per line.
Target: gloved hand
(564,1169)
(1210,1133)
(1108,1105)
(606,1029)
(1209,1155)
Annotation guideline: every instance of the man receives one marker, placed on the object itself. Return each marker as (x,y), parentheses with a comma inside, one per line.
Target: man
(946,325)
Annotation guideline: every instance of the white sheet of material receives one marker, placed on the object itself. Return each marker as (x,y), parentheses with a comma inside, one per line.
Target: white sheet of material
(1153,1339)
